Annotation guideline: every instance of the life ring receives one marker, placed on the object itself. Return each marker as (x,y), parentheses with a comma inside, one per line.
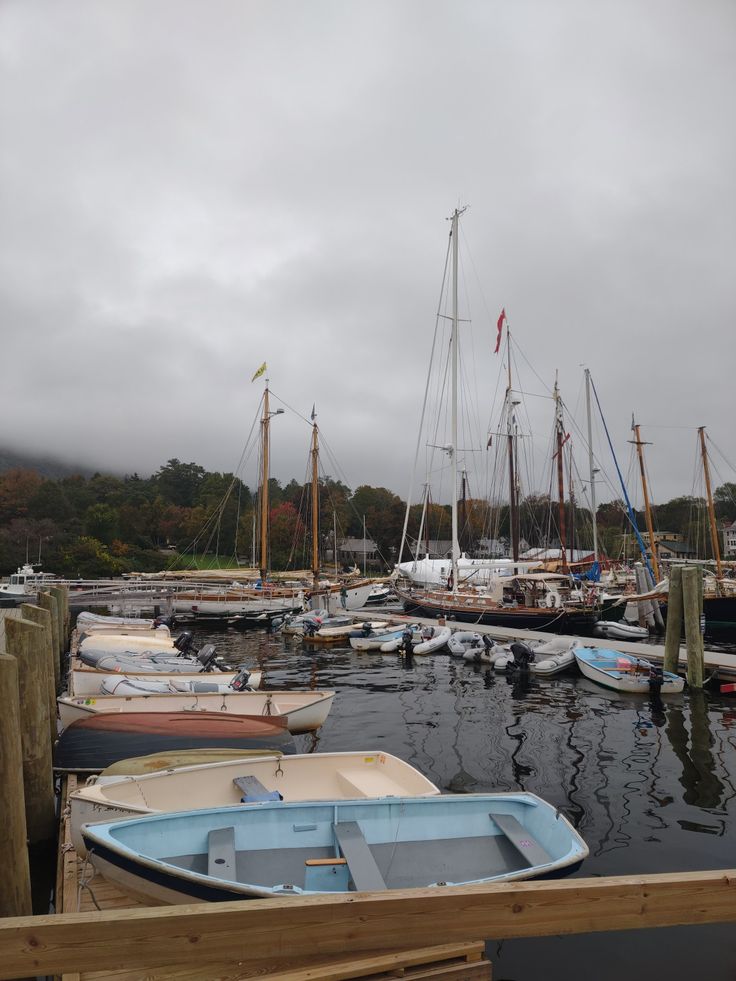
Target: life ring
(550,600)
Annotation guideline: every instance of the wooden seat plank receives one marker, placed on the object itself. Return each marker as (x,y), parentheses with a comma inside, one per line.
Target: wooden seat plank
(526,845)
(362,865)
(221,853)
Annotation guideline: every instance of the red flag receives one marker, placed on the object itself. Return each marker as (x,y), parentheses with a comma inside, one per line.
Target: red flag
(567,436)
(500,329)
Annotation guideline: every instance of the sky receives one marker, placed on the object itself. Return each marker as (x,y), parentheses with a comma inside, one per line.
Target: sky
(189,189)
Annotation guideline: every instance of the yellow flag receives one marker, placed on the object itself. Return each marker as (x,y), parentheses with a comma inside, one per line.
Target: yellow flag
(260,372)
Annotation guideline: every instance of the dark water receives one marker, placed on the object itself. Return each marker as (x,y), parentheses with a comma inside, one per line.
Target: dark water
(651,786)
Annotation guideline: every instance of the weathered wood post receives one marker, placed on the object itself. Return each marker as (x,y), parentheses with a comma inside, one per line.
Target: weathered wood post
(674,621)
(47,602)
(25,640)
(43,619)
(62,597)
(692,604)
(15,894)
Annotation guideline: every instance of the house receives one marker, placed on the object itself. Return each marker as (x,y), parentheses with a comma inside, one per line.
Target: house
(357,551)
(669,550)
(729,540)
(439,548)
(491,548)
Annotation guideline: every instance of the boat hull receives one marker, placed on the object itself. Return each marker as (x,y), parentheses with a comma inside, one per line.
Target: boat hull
(91,744)
(523,619)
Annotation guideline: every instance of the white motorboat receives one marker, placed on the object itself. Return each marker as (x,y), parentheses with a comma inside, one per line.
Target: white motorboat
(313,776)
(303,711)
(121,684)
(23,586)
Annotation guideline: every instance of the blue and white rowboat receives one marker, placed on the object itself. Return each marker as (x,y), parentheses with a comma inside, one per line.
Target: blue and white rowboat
(282,849)
(624,672)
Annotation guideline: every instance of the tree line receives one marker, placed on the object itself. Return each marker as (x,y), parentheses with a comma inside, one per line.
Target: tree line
(85,527)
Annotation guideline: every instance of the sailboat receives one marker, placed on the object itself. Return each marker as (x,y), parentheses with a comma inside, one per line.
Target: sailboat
(521,598)
(256,604)
(335,597)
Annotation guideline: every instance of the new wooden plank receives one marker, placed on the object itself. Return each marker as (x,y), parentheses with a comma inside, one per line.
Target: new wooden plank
(424,962)
(258,930)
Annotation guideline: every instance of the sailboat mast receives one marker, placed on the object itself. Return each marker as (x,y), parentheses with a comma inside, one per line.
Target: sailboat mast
(453,445)
(315,502)
(591,466)
(560,476)
(647,506)
(513,502)
(334,539)
(265,419)
(711,508)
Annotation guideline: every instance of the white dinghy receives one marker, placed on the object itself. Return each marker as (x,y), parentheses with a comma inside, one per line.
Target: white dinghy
(549,657)
(620,630)
(89,681)
(314,776)
(425,640)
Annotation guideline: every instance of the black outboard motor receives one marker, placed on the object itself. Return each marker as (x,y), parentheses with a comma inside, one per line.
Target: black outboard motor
(487,643)
(366,629)
(184,641)
(310,628)
(523,656)
(207,657)
(656,679)
(166,621)
(240,681)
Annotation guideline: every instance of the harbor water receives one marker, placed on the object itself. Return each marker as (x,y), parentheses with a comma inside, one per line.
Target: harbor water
(649,783)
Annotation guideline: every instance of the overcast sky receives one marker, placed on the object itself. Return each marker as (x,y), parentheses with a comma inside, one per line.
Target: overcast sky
(192,188)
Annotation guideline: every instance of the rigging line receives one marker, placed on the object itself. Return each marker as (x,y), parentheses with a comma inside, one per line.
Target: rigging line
(623,485)
(424,404)
(721,453)
(290,407)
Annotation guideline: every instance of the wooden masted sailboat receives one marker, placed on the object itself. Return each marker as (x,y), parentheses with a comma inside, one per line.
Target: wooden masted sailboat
(523,599)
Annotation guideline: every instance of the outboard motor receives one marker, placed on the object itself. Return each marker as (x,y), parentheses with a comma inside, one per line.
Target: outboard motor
(656,679)
(523,656)
(207,656)
(184,641)
(366,629)
(310,628)
(166,621)
(487,644)
(240,681)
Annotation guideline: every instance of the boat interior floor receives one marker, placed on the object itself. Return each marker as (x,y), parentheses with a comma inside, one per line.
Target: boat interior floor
(403,865)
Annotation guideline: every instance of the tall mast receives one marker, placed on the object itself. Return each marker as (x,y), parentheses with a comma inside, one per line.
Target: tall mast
(711,508)
(315,501)
(591,466)
(647,507)
(464,503)
(513,502)
(265,419)
(559,427)
(453,445)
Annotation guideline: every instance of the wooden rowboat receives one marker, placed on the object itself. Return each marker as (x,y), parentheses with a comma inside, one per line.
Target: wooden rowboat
(302,711)
(300,849)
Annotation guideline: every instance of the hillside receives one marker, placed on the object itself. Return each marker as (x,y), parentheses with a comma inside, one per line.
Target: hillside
(46,466)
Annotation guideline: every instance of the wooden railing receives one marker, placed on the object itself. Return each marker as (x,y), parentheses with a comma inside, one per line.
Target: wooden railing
(260,933)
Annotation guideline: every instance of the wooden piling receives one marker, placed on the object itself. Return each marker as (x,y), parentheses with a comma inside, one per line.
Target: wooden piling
(61,594)
(43,619)
(48,602)
(25,641)
(674,621)
(15,894)
(692,605)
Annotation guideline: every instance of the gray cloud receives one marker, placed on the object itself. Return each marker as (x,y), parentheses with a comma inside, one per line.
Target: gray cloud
(189,189)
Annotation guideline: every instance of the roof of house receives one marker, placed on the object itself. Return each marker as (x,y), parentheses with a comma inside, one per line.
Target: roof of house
(356,545)
(682,548)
